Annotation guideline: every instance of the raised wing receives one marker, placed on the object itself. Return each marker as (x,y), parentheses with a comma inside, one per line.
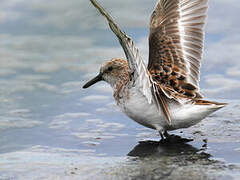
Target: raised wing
(136,65)
(176,44)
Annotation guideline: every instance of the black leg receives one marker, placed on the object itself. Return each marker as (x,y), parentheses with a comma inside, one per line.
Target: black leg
(161,135)
(166,134)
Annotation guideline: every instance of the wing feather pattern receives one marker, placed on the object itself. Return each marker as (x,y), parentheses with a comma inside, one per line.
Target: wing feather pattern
(176,44)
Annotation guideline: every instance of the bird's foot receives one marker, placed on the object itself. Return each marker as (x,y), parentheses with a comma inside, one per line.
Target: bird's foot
(167,138)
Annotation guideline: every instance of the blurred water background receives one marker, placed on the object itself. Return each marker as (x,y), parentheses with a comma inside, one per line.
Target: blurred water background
(50,128)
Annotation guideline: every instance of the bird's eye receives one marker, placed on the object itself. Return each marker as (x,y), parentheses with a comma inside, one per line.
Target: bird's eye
(110,68)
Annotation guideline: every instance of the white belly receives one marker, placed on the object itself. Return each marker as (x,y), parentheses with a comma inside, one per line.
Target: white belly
(182,116)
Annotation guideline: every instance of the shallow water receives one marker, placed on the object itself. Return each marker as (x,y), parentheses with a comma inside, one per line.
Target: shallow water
(51,128)
(110,146)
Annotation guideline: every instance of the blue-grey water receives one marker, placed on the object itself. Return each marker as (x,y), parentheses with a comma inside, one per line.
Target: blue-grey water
(50,128)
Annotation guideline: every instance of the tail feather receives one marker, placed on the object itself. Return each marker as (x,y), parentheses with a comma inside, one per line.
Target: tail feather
(216,105)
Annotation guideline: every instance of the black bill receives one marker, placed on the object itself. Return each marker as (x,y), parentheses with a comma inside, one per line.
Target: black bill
(93,81)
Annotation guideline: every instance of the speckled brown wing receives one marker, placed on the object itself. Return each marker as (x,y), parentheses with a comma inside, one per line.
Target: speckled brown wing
(176,44)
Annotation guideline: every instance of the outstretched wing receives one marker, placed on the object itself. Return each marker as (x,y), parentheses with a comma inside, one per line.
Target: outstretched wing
(136,65)
(176,44)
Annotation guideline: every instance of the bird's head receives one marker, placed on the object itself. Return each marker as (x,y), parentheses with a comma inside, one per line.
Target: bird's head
(112,72)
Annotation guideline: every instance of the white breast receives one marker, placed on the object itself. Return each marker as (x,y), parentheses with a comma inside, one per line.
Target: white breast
(137,108)
(182,116)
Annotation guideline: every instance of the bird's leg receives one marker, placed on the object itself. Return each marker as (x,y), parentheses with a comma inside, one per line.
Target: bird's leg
(161,135)
(166,134)
(160,131)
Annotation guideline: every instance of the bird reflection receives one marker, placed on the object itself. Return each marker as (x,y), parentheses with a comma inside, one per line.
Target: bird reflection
(167,160)
(167,148)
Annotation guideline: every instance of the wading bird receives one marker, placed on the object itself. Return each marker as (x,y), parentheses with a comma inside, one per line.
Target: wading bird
(165,94)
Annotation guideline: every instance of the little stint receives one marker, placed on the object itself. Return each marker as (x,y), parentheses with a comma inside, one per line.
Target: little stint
(165,94)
